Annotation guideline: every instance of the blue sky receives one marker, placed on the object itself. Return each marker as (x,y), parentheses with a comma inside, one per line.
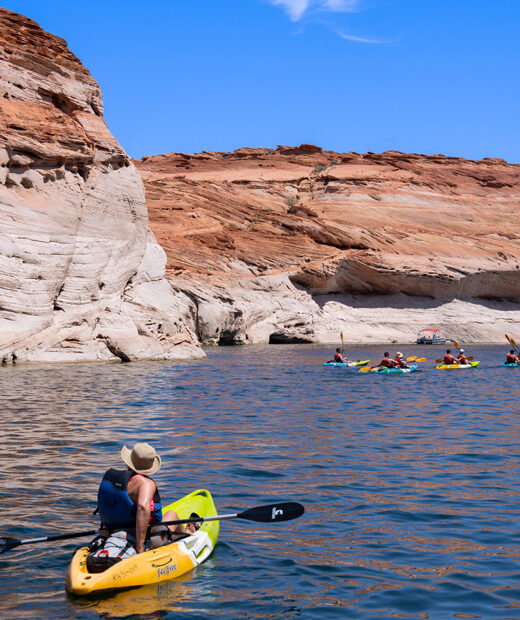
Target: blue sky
(419,76)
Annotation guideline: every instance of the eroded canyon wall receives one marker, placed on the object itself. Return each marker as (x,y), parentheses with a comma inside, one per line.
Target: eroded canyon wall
(81,275)
(298,244)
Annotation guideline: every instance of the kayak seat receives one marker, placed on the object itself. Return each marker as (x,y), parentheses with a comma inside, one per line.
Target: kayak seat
(100,564)
(197,524)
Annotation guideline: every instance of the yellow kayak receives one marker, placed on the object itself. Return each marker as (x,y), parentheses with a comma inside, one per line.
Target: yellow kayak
(457,366)
(157,565)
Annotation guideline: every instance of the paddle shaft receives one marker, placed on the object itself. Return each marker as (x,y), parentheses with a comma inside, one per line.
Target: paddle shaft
(58,537)
(271,513)
(92,532)
(233,515)
(513,344)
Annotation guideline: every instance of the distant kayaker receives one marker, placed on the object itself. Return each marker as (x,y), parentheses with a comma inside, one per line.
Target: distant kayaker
(338,356)
(461,357)
(511,358)
(449,358)
(128,500)
(399,361)
(387,362)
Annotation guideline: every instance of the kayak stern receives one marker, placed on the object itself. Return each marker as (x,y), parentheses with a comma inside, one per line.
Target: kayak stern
(156,565)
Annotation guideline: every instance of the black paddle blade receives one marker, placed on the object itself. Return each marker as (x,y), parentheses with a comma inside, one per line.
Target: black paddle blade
(273,513)
(6,544)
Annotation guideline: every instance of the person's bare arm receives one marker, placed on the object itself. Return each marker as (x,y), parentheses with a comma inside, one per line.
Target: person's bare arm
(141,491)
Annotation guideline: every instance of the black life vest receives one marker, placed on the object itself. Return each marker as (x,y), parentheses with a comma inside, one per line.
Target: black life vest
(116,508)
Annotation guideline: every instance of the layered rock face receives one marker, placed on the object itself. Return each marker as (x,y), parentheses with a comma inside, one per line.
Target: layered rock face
(298,244)
(81,275)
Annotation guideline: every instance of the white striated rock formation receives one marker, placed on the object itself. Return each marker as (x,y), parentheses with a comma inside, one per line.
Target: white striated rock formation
(81,275)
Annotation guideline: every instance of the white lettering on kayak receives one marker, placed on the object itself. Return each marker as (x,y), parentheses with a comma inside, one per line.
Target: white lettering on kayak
(276,512)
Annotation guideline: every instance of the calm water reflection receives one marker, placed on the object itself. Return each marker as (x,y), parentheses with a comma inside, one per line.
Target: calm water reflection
(411,483)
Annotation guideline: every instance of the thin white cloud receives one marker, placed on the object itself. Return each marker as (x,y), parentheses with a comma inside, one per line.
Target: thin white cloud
(341,6)
(296,8)
(351,37)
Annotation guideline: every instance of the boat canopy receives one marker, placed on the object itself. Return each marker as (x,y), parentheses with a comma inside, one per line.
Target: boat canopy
(428,329)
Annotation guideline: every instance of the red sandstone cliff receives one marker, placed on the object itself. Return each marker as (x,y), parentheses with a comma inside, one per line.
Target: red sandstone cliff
(433,228)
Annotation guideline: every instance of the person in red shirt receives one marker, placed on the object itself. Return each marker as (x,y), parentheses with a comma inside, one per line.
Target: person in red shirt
(338,356)
(387,362)
(511,358)
(399,362)
(461,358)
(449,358)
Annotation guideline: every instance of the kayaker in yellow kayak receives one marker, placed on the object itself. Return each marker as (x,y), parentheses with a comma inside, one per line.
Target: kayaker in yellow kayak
(449,358)
(129,501)
(461,358)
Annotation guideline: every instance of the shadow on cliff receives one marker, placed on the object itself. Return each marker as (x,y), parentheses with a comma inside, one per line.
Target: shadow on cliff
(400,301)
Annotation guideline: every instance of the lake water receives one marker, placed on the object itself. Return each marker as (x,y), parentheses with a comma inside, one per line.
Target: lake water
(411,483)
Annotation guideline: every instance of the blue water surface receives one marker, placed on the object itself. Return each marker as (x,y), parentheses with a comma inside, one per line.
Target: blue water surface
(410,482)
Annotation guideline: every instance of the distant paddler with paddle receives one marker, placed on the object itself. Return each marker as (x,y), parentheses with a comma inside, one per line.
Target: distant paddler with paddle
(461,357)
(399,361)
(387,361)
(512,357)
(338,356)
(449,358)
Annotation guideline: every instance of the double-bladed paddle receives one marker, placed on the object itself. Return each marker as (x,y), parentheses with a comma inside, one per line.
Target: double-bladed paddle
(270,513)
(7,543)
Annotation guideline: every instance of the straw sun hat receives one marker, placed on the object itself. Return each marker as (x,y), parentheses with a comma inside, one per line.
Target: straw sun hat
(398,354)
(142,458)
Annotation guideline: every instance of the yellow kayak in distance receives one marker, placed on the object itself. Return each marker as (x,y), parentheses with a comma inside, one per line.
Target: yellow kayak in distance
(457,366)
(157,565)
